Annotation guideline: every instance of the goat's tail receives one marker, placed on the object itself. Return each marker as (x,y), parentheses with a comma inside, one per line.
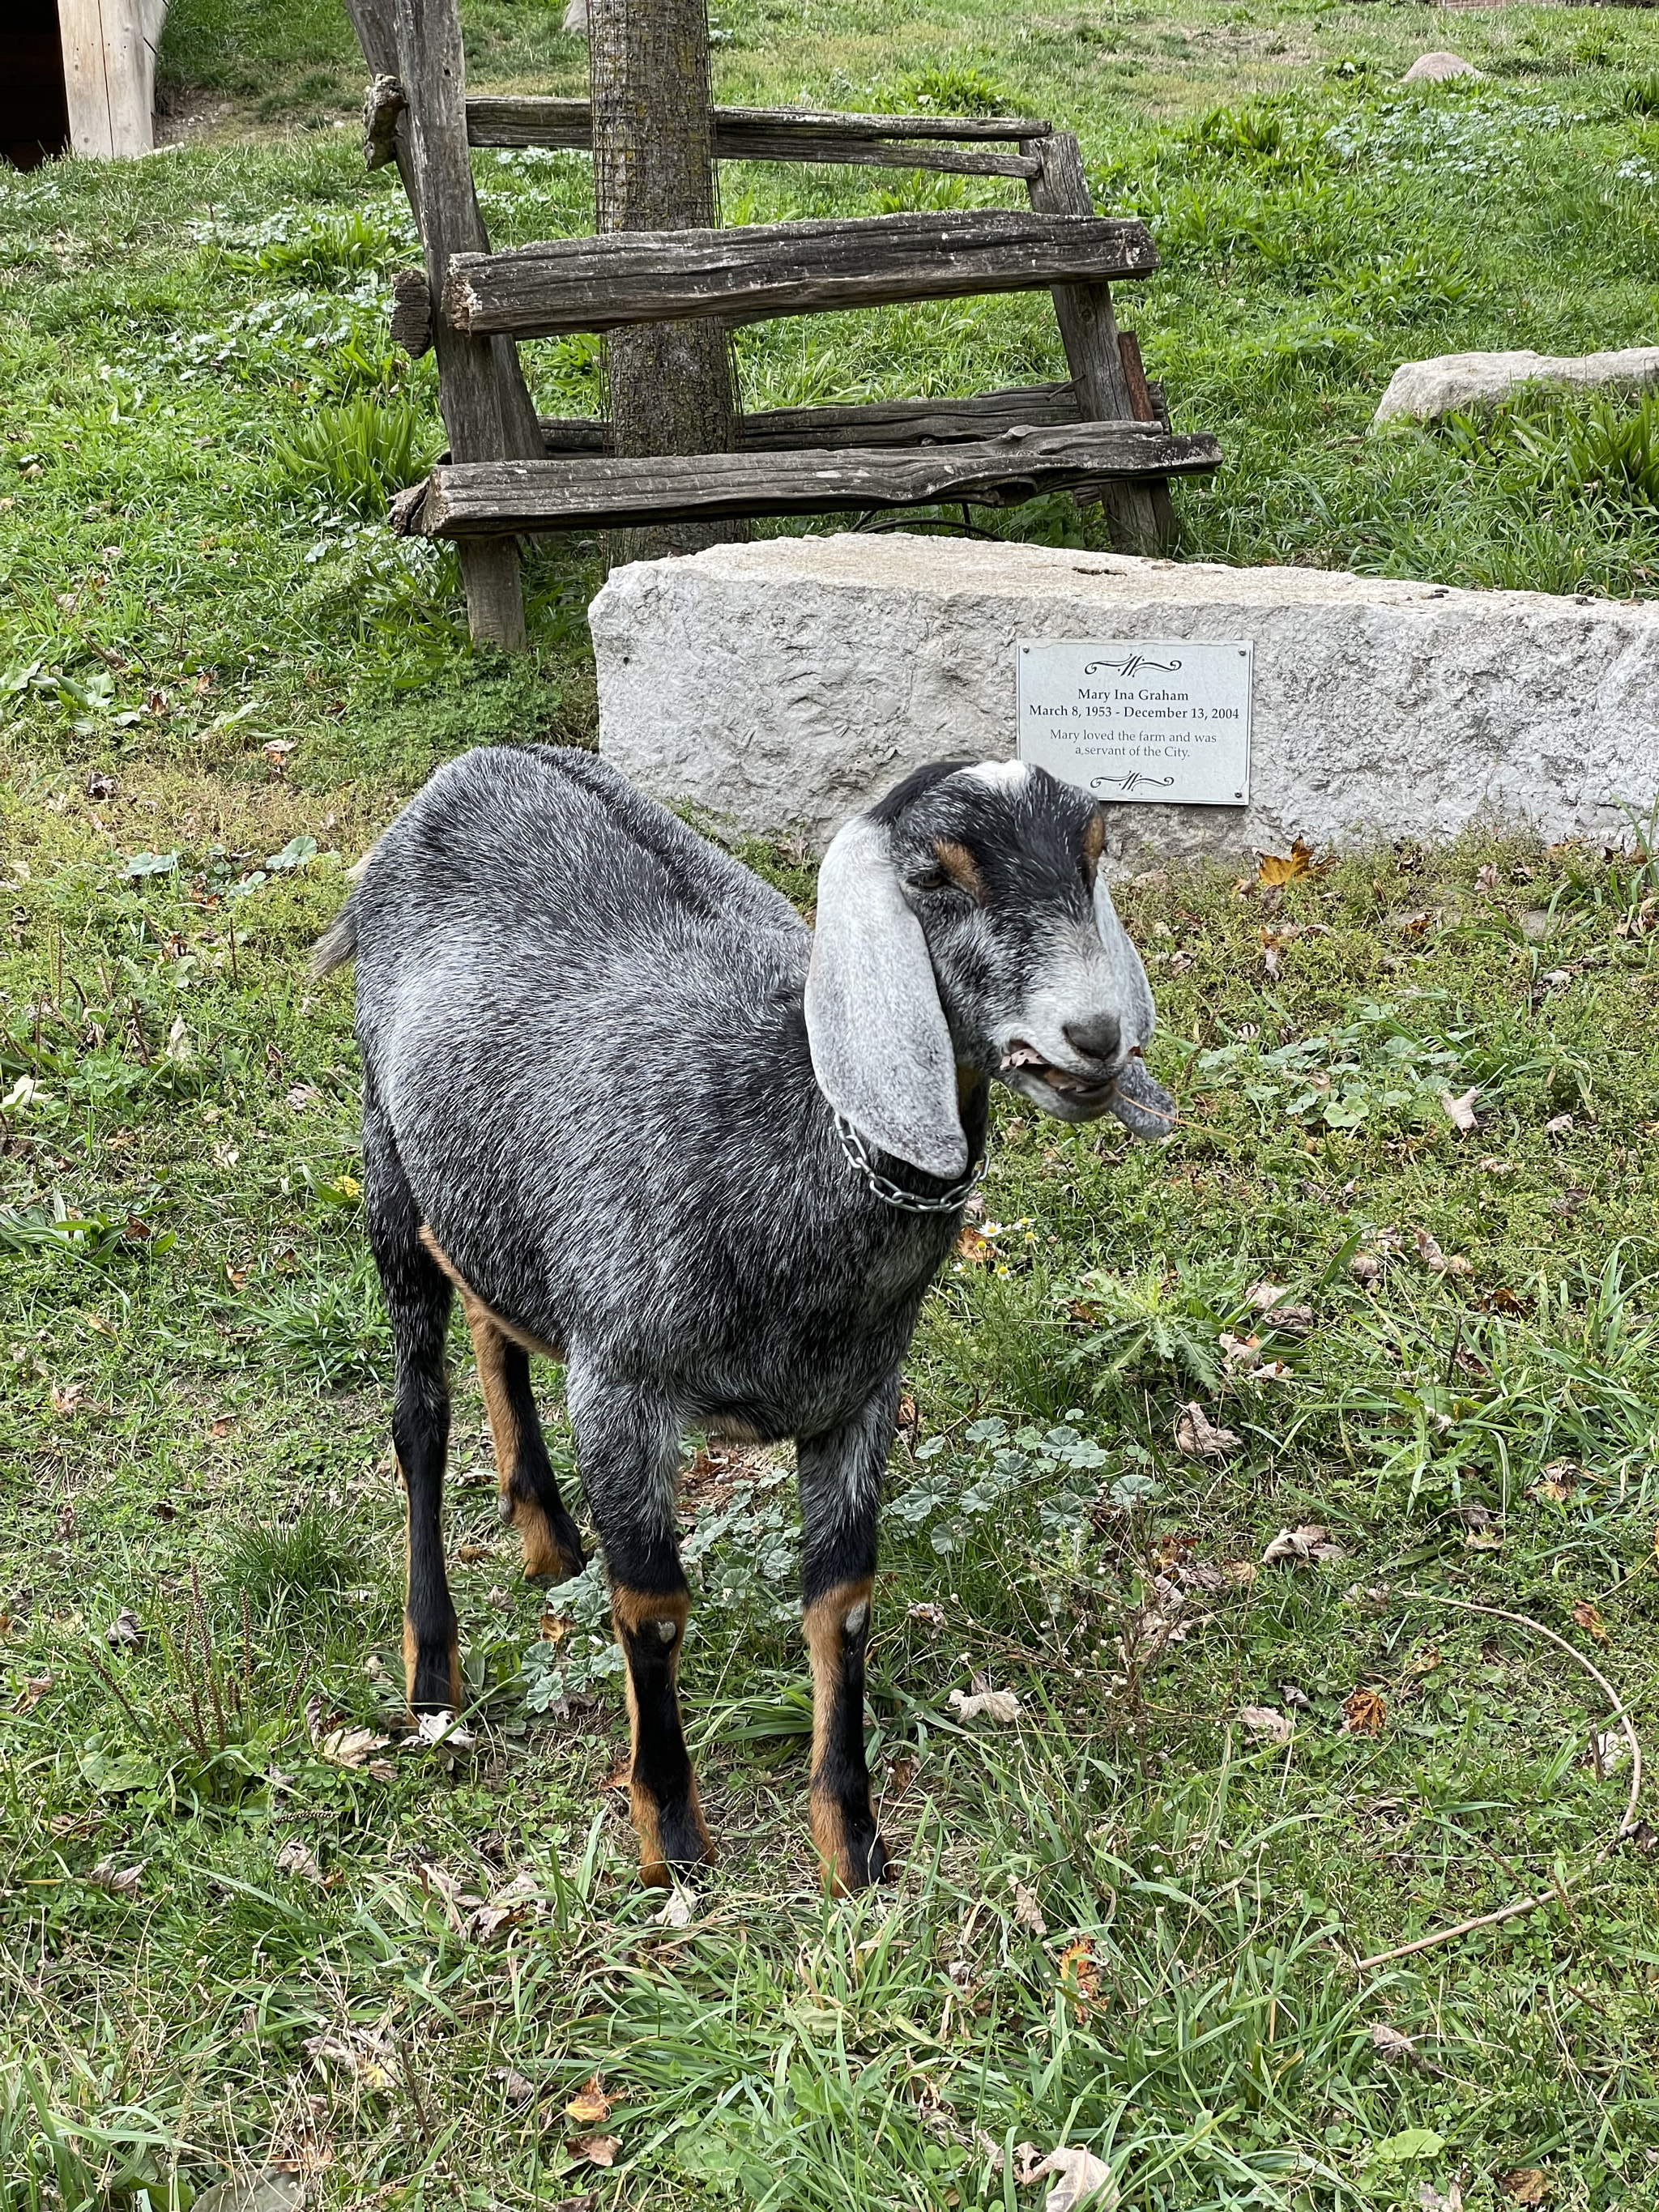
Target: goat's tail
(336,944)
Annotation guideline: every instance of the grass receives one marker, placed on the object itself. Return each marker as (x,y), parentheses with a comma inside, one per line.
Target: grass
(1132,1920)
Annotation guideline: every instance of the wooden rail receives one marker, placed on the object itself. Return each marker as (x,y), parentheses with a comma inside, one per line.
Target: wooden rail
(745,275)
(488,498)
(963,143)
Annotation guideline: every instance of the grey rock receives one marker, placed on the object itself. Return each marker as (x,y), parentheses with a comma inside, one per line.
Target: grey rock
(781,687)
(1435,69)
(1425,390)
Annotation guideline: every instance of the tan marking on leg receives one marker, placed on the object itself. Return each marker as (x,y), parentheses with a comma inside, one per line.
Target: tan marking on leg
(633,1611)
(542,1555)
(822,1623)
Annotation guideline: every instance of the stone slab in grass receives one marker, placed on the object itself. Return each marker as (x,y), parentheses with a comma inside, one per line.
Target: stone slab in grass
(1424,391)
(783,685)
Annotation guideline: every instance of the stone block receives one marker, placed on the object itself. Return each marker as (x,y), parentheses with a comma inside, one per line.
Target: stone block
(780,687)
(1425,390)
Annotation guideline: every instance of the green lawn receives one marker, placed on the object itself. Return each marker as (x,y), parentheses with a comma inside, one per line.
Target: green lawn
(1134,1920)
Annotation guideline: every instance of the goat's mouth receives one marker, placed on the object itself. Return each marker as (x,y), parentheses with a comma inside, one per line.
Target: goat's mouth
(1145,1107)
(1058,1090)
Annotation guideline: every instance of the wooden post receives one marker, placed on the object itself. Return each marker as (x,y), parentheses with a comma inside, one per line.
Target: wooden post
(1140,517)
(109,74)
(485,404)
(653,169)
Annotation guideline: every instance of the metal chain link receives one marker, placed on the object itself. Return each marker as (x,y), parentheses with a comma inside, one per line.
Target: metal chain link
(891,1193)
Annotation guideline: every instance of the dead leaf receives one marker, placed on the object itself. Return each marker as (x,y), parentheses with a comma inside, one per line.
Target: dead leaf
(1028,1913)
(1267,1723)
(1289,1321)
(66,1399)
(1000,1705)
(598,2150)
(362,2052)
(1200,1438)
(1430,2200)
(1240,1351)
(1276,868)
(1264,1296)
(120,1881)
(1083,2180)
(1589,1621)
(1436,1262)
(1493,1165)
(1079,1975)
(1390,2043)
(469,1554)
(1486,877)
(1526,2184)
(974,1248)
(1365,1266)
(517,2088)
(1561,1125)
(124,1629)
(435,1731)
(590,2104)
(34,1688)
(350,1746)
(621,1775)
(1311,1541)
(1363,1712)
(1460,1111)
(929,1616)
(297,1857)
(679,1909)
(178,1047)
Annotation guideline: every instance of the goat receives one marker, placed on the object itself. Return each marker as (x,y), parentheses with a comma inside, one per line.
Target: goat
(617,1096)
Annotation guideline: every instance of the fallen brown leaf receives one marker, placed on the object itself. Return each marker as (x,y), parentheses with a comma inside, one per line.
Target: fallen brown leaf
(1290,1547)
(350,1746)
(34,1688)
(1083,2179)
(1526,2184)
(1000,1705)
(1079,1975)
(120,1881)
(1276,868)
(1363,1713)
(297,1857)
(1390,2043)
(974,1248)
(1200,1438)
(124,1629)
(1589,1621)
(598,2150)
(1028,1913)
(1436,1262)
(927,1615)
(1459,1111)
(590,2104)
(1267,1722)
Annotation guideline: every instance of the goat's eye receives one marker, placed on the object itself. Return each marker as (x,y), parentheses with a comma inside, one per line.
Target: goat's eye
(934,879)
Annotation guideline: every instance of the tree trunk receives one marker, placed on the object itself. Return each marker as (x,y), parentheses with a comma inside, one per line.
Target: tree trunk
(653,169)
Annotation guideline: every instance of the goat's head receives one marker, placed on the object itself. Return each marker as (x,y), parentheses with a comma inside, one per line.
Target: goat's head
(964,927)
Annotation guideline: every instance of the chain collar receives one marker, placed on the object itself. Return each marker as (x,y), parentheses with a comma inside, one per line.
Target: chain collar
(949,1201)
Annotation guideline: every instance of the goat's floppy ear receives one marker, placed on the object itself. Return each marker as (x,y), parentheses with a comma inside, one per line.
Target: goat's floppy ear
(881,1050)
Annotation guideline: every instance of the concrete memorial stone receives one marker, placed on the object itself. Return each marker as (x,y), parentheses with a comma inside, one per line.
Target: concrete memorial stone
(779,687)
(1424,391)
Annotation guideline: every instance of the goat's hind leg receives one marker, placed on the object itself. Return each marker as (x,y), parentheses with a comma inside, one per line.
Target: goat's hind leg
(841,1474)
(628,1448)
(529,1492)
(417,1299)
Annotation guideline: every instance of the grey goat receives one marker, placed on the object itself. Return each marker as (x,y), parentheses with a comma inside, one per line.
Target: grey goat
(618,1096)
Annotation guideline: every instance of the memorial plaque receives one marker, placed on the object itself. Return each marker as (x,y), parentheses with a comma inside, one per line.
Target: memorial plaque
(1120,718)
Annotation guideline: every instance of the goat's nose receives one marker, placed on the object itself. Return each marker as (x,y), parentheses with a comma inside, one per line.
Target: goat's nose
(1097,1038)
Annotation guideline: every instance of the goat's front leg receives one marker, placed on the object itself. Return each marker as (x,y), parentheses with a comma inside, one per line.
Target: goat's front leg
(628,1453)
(841,1475)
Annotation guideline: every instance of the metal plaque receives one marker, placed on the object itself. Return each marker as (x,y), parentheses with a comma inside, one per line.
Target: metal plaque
(1131,719)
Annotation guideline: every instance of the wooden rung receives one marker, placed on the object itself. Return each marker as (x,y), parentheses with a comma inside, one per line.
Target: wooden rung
(490,498)
(874,422)
(741,134)
(744,276)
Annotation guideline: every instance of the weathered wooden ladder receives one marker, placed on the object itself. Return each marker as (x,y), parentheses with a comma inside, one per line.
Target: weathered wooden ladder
(1103,434)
